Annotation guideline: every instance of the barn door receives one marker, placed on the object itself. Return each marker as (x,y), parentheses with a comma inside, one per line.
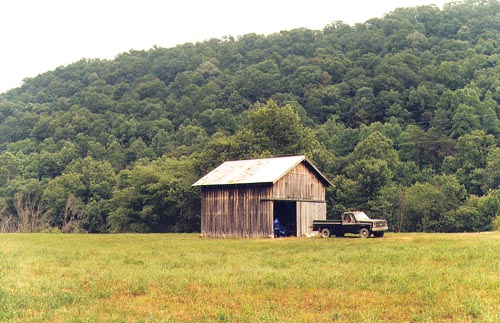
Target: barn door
(286,212)
(306,213)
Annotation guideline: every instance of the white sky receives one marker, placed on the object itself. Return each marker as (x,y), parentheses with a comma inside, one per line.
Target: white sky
(39,35)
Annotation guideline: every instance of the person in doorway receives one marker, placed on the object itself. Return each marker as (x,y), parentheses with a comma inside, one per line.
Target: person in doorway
(279,230)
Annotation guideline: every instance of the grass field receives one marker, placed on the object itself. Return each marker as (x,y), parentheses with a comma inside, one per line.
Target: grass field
(184,278)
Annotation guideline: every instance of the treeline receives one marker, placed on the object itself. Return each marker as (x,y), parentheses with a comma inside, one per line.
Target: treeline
(400,112)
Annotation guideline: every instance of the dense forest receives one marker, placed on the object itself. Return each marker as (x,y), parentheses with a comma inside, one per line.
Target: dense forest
(400,112)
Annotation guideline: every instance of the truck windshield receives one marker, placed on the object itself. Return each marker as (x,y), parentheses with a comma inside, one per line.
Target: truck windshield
(361,216)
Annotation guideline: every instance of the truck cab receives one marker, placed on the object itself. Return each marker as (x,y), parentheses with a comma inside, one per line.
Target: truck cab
(357,222)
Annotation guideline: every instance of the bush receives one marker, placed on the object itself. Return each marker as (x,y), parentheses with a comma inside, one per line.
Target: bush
(51,230)
(495,224)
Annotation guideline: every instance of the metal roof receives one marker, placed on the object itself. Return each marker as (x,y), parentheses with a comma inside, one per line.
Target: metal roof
(254,171)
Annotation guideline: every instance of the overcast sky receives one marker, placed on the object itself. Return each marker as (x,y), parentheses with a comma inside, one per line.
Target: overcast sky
(40,35)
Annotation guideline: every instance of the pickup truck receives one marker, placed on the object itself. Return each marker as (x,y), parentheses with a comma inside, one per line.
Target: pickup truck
(356,222)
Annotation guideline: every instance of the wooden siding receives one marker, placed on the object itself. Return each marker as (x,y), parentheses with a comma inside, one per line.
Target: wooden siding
(299,184)
(306,213)
(237,211)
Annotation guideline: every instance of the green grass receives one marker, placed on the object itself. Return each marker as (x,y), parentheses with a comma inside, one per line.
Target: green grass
(184,278)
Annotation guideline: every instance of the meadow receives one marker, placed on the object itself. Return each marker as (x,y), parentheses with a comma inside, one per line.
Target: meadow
(184,278)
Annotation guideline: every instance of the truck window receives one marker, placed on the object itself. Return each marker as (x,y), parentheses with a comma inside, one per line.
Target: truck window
(360,216)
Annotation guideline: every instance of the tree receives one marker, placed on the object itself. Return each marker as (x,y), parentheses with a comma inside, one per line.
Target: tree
(366,171)
(29,212)
(464,121)
(452,74)
(370,175)
(471,153)
(161,142)
(492,169)
(77,199)
(391,204)
(336,137)
(9,168)
(279,131)
(218,120)
(428,204)
(364,104)
(27,201)
(376,146)
(156,197)
(477,213)
(221,148)
(57,196)
(137,150)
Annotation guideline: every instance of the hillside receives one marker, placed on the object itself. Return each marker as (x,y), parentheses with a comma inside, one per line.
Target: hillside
(400,112)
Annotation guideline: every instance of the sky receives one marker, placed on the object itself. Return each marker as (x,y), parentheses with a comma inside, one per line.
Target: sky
(37,36)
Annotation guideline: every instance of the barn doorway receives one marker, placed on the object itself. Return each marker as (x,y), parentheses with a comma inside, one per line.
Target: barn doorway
(286,212)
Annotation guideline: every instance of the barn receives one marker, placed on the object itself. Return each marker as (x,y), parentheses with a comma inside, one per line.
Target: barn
(242,198)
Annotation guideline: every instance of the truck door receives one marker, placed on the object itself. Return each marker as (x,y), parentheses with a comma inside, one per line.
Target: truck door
(349,223)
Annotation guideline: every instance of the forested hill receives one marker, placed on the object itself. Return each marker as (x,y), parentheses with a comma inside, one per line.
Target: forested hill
(400,112)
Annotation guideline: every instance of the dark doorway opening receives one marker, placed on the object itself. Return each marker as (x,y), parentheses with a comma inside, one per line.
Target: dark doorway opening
(286,212)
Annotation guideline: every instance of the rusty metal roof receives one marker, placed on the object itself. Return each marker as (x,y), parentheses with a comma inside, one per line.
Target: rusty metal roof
(254,171)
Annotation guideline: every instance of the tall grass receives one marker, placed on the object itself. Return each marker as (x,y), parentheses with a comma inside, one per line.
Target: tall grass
(184,278)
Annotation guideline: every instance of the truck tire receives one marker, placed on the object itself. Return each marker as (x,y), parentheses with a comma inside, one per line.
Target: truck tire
(364,233)
(325,233)
(378,234)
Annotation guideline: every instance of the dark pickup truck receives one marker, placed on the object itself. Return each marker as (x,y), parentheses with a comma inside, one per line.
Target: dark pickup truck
(352,222)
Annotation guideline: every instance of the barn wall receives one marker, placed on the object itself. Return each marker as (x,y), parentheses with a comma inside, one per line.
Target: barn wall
(302,185)
(299,184)
(306,213)
(236,211)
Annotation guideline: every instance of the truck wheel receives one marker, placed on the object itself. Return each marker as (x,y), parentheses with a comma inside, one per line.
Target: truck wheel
(325,233)
(378,234)
(364,233)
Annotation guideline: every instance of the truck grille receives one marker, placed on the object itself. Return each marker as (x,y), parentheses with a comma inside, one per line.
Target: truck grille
(380,224)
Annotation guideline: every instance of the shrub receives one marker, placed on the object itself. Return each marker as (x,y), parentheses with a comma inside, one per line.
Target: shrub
(495,224)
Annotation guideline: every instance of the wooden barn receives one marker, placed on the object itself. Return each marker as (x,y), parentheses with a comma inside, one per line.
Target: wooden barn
(243,198)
